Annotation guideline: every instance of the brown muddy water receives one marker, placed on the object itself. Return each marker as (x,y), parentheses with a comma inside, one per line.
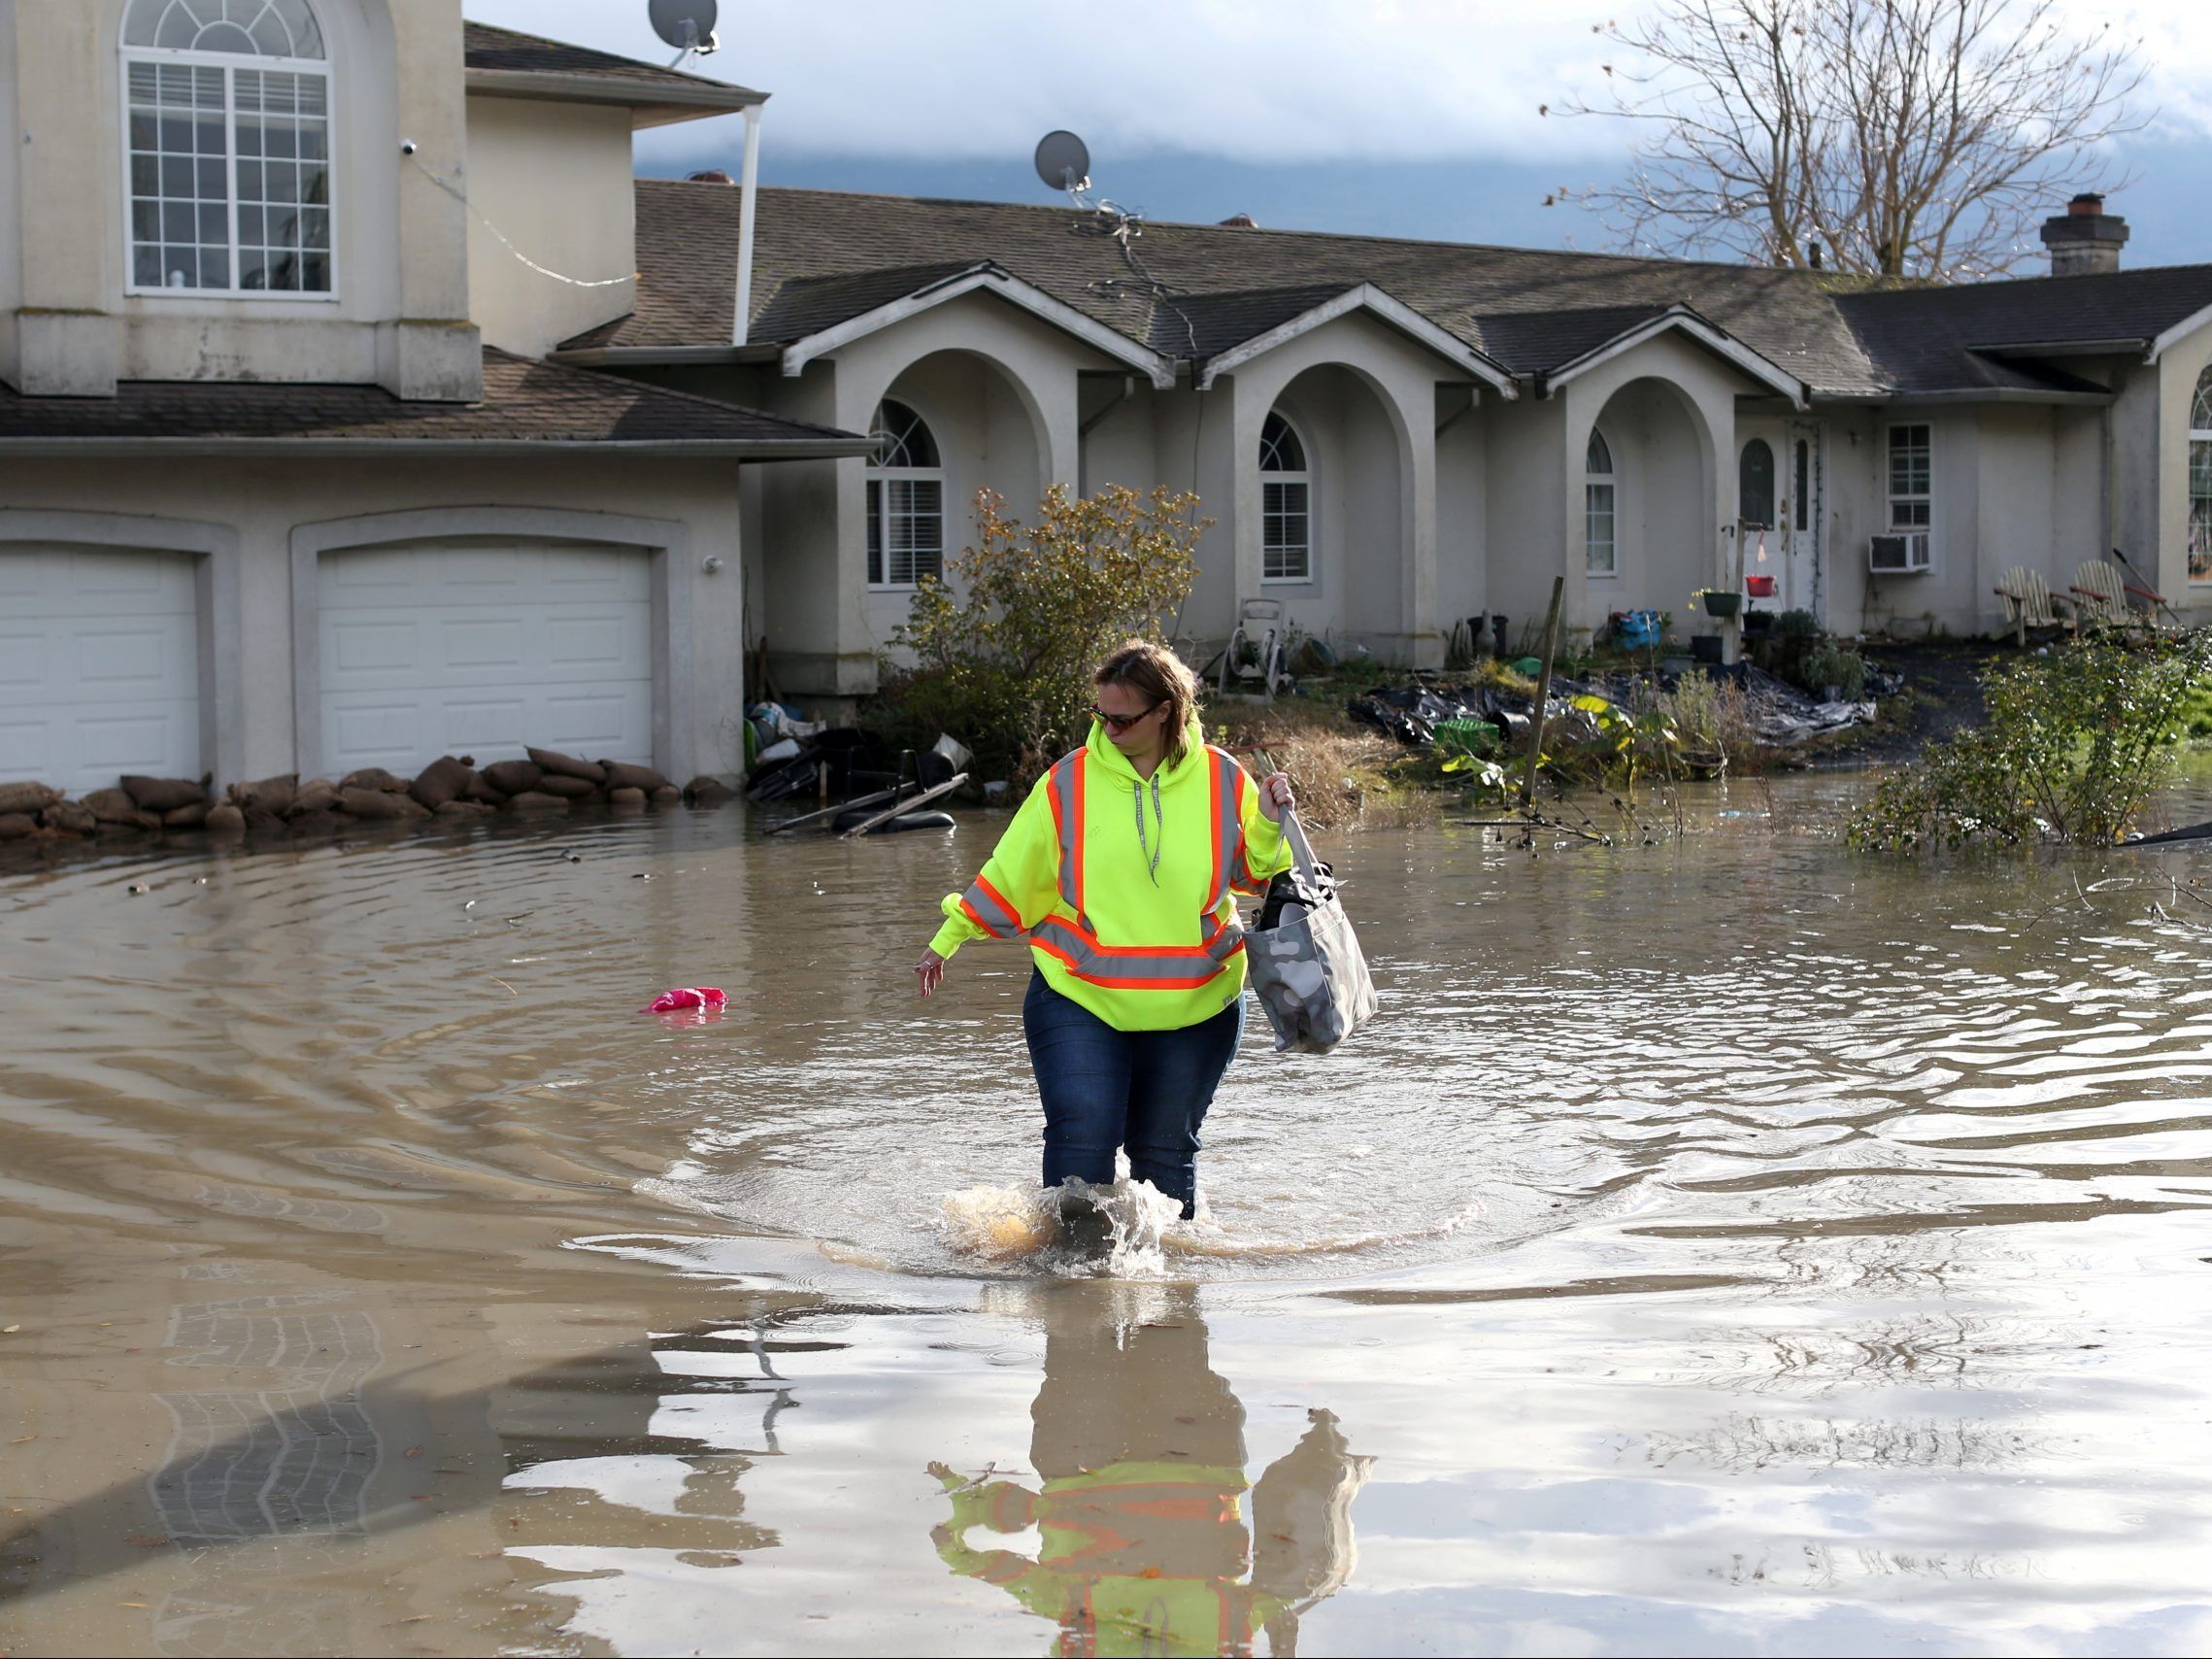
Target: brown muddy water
(1732,1245)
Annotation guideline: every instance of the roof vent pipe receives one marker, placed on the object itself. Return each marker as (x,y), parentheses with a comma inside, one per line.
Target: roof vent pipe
(741,311)
(2085,241)
(1240,222)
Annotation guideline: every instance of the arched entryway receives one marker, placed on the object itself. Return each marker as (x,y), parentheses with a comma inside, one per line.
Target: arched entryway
(1647,515)
(1332,523)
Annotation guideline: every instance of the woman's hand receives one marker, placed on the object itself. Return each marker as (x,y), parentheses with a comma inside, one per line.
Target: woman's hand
(1275,797)
(930,971)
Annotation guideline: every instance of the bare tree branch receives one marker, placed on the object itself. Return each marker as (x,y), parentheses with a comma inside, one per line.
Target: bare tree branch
(1879,138)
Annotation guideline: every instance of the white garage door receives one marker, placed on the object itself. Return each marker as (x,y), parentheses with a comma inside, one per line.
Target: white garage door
(99,666)
(473,648)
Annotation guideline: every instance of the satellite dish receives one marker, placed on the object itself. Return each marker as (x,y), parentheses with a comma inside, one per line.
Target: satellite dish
(1062,161)
(688,25)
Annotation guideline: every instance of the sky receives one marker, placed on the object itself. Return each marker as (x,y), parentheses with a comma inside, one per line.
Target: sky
(1398,118)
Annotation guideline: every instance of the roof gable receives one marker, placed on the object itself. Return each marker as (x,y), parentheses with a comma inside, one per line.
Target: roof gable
(523,65)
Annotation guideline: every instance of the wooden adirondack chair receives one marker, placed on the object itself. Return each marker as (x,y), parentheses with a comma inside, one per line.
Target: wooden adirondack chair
(2099,594)
(2028,602)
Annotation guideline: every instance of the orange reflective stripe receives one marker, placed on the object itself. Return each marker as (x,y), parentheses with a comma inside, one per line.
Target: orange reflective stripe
(1067,818)
(1227,792)
(987,909)
(1137,967)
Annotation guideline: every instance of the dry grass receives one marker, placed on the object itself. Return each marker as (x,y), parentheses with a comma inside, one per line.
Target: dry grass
(1340,770)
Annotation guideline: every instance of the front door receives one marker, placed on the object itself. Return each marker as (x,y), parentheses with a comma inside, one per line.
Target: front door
(1804,574)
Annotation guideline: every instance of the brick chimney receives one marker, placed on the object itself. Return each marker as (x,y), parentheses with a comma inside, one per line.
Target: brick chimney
(2085,241)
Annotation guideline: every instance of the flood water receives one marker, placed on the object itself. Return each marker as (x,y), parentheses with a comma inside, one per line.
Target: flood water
(1732,1245)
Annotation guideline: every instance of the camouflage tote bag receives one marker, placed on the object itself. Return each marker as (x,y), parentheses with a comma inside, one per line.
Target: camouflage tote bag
(1305,962)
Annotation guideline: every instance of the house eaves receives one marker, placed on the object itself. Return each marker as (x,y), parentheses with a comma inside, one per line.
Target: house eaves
(2115,347)
(2180,331)
(450,449)
(1679,319)
(661,356)
(984,278)
(655,106)
(1375,302)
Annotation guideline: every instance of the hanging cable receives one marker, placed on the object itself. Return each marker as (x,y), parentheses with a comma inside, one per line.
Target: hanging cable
(506,242)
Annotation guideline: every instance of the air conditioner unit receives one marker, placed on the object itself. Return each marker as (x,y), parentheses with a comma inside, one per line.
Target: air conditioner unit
(1898,555)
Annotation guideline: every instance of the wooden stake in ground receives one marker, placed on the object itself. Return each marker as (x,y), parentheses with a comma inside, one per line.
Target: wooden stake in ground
(1543,696)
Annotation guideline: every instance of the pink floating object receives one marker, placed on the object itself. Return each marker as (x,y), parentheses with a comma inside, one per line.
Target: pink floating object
(685,997)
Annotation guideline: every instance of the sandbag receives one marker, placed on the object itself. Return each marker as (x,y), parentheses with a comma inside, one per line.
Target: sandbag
(15,826)
(191,816)
(373,777)
(165,795)
(71,816)
(706,790)
(112,806)
(262,821)
(481,792)
(464,809)
(442,780)
(627,800)
(317,795)
(537,801)
(226,818)
(512,777)
(559,765)
(274,793)
(27,798)
(622,775)
(371,804)
(316,821)
(668,795)
(567,788)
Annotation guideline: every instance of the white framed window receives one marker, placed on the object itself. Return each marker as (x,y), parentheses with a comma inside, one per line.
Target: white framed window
(1286,504)
(1600,547)
(2200,481)
(1908,455)
(906,500)
(226,149)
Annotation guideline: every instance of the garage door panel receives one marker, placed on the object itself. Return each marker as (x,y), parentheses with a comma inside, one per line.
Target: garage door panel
(99,656)
(483,650)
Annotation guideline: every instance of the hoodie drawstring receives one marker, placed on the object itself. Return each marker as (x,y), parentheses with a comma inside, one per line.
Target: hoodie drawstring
(1160,838)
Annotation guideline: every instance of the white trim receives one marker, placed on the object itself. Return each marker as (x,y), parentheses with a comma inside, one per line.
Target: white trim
(1683,319)
(1369,298)
(2197,435)
(1158,370)
(1302,477)
(1890,525)
(2179,332)
(1610,481)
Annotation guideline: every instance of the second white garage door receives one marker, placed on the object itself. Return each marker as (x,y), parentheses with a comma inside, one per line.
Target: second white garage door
(468,648)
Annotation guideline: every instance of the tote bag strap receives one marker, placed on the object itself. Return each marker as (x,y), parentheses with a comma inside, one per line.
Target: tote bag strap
(1302,850)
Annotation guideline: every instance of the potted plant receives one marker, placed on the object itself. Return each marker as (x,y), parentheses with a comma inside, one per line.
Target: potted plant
(1718,601)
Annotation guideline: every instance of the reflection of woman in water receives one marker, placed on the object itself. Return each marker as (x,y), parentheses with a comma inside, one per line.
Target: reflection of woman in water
(1121,868)
(1139,1453)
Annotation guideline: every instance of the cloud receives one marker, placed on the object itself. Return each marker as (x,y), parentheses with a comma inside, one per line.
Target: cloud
(1252,80)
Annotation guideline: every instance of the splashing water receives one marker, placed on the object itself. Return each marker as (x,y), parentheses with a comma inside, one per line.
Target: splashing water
(1118,1231)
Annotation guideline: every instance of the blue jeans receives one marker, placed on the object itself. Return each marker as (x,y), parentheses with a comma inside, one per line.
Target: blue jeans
(1104,1088)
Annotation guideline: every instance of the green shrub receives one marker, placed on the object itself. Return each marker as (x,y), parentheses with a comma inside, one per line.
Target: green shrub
(1829,663)
(2077,741)
(1796,624)
(1003,653)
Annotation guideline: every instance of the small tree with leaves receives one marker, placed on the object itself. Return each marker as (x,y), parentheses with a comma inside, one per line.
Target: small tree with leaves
(1879,138)
(1002,655)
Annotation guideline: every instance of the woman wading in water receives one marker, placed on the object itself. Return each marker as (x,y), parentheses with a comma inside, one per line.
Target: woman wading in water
(1121,868)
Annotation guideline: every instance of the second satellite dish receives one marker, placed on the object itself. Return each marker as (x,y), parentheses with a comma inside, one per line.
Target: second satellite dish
(688,25)
(1062,161)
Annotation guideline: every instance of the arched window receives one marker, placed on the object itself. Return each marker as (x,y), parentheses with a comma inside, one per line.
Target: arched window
(1600,550)
(2200,481)
(1755,486)
(228,107)
(906,499)
(1286,504)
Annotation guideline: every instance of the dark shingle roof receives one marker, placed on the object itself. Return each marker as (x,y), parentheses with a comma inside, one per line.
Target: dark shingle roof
(810,305)
(525,402)
(511,51)
(1533,308)
(1936,338)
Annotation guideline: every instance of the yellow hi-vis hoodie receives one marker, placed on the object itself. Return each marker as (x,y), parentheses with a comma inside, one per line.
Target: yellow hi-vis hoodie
(1126,887)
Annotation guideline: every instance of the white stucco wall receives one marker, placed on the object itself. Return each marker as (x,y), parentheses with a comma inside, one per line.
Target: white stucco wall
(555,178)
(2178,368)
(398,315)
(1463,458)
(258,505)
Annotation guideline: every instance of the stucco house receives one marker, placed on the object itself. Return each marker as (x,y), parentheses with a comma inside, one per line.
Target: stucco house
(1394,434)
(275,491)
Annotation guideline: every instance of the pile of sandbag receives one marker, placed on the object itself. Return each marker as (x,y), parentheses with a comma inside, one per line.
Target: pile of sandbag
(448,787)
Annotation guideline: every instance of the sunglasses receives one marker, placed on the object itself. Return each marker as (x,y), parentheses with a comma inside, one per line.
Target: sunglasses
(1119,723)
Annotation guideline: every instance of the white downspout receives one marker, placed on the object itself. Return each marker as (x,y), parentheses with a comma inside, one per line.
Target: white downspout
(741,320)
